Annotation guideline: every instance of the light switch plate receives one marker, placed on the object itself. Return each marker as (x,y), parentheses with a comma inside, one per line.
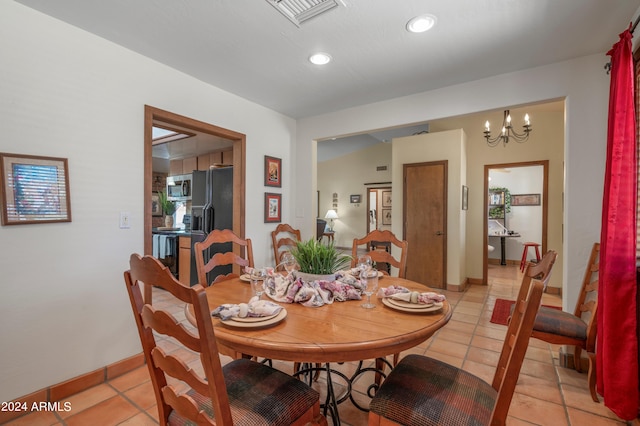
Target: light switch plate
(125,220)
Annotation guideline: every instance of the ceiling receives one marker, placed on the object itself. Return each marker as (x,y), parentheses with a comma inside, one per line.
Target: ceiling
(247,48)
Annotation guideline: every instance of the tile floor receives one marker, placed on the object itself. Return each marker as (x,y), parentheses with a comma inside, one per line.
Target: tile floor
(546,393)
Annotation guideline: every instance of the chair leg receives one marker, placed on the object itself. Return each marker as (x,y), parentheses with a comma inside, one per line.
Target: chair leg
(591,376)
(577,358)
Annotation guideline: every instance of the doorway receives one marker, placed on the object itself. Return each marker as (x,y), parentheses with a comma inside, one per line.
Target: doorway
(516,200)
(155,116)
(425,222)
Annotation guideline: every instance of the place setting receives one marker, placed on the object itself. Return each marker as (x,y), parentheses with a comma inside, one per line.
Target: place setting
(256,313)
(405,300)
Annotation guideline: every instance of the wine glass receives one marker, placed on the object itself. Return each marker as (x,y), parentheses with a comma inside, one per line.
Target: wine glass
(369,280)
(258,275)
(364,263)
(289,262)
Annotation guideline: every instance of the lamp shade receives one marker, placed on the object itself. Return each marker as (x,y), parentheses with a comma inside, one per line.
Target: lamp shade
(331,214)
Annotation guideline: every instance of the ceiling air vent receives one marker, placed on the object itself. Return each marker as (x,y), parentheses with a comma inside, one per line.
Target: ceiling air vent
(298,11)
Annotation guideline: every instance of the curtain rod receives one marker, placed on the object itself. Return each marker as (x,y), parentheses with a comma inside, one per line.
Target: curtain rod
(607,66)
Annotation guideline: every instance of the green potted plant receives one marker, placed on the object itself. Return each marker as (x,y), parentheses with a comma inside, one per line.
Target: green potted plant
(318,261)
(168,207)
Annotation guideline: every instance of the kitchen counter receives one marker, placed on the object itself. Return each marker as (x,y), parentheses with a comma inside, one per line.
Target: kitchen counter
(177,232)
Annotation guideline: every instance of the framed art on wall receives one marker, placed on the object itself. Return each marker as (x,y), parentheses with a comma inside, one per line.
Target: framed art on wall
(525,199)
(156,207)
(272,207)
(386,198)
(35,189)
(272,171)
(386,216)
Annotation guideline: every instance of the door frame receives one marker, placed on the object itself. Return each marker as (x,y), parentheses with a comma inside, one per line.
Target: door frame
(151,115)
(545,206)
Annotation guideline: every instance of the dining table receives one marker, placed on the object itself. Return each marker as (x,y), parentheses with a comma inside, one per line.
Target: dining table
(341,331)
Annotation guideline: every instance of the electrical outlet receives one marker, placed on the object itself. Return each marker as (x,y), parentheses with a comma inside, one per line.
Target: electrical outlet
(124,220)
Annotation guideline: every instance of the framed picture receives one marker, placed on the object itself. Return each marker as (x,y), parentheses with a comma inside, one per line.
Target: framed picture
(156,207)
(355,199)
(465,197)
(386,216)
(386,198)
(272,171)
(34,189)
(272,207)
(525,199)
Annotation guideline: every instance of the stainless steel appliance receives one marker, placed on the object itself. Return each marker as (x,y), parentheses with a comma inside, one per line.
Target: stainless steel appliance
(211,208)
(179,188)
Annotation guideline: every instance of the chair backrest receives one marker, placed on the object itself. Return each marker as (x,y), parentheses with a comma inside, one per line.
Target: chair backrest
(321,224)
(222,248)
(587,303)
(514,349)
(152,320)
(283,238)
(540,271)
(380,255)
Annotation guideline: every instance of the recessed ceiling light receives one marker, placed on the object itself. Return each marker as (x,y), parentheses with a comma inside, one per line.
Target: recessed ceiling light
(421,23)
(320,58)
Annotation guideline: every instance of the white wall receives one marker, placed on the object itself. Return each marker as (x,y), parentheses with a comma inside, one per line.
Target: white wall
(66,93)
(346,175)
(581,81)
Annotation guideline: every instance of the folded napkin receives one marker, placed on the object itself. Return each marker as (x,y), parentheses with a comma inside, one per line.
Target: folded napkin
(255,308)
(406,295)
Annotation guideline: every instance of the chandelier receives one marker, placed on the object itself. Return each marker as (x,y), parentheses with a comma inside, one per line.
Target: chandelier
(508,132)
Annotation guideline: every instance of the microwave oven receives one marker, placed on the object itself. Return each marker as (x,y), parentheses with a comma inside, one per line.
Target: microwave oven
(179,187)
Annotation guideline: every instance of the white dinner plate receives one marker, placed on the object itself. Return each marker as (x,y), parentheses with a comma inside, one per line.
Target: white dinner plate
(271,321)
(255,319)
(409,305)
(433,308)
(246,277)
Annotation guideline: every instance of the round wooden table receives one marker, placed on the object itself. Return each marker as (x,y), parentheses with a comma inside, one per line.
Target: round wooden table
(339,332)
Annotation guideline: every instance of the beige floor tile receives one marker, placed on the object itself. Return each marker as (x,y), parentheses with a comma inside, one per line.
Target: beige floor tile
(142,395)
(86,399)
(579,417)
(110,412)
(537,411)
(38,418)
(131,379)
(544,388)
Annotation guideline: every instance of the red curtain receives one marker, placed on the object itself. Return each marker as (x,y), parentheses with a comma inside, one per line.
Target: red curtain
(617,347)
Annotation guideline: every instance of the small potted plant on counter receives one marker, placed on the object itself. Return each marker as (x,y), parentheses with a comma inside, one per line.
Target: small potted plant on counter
(317,261)
(168,207)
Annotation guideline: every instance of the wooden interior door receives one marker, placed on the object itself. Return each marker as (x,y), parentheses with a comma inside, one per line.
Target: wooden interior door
(425,222)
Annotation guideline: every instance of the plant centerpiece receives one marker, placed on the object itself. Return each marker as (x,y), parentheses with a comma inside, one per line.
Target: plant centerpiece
(317,261)
(168,207)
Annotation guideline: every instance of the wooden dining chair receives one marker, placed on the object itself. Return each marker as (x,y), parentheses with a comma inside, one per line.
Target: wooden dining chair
(426,391)
(580,328)
(241,392)
(283,238)
(373,242)
(376,243)
(220,250)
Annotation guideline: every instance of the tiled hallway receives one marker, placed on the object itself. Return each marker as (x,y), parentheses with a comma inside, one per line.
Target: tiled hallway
(546,394)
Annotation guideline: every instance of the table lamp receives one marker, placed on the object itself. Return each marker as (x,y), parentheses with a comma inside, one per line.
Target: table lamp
(331,214)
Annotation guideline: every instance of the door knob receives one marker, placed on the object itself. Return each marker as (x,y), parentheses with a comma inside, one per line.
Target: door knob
(439,233)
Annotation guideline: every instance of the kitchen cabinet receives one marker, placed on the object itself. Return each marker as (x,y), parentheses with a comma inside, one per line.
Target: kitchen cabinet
(183,167)
(184,260)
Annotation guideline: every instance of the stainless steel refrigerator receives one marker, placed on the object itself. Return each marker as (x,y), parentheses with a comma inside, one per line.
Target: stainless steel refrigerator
(211,208)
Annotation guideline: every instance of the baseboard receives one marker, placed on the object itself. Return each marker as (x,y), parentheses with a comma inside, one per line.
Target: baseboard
(72,386)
